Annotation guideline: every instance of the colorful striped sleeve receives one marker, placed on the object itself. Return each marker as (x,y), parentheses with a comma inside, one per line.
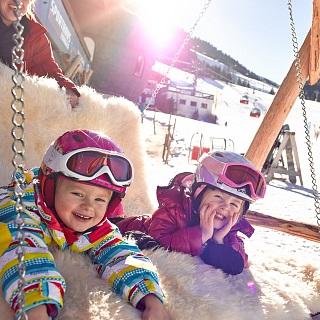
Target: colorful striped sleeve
(44,284)
(128,271)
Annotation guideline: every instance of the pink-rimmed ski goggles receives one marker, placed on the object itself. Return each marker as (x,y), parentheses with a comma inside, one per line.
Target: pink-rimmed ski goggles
(236,175)
(86,164)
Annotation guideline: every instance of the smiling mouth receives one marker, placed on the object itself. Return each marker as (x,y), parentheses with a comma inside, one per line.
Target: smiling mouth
(219,216)
(82,217)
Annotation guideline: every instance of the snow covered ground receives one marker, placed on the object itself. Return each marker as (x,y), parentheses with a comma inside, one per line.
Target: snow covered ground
(283,199)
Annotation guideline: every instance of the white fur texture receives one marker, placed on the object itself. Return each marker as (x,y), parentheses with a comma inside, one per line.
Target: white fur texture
(283,289)
(276,287)
(48,115)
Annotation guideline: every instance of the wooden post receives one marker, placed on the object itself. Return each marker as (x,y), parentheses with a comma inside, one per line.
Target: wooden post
(314,65)
(295,228)
(73,66)
(154,120)
(89,74)
(292,167)
(279,109)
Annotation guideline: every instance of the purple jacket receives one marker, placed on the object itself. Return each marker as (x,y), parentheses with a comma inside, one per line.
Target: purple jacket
(175,225)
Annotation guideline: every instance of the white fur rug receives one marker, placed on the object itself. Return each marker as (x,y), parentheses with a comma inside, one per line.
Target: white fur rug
(48,115)
(275,287)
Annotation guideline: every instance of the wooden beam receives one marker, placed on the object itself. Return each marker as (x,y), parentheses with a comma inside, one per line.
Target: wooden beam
(299,229)
(74,65)
(314,65)
(279,109)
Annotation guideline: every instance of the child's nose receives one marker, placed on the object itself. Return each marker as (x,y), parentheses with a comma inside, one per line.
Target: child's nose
(87,204)
(225,205)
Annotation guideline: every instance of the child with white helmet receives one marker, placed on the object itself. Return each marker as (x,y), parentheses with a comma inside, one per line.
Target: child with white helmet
(202,213)
(82,179)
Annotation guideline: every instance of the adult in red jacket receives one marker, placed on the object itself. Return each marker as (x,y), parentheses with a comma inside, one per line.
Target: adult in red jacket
(177,225)
(38,56)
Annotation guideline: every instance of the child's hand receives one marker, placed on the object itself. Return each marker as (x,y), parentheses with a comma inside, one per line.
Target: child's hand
(38,313)
(154,310)
(206,222)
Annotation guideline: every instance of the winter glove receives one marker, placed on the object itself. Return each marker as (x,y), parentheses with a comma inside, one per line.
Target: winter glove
(223,257)
(143,241)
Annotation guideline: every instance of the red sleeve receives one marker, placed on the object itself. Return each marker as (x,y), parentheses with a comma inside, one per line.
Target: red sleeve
(40,62)
(139,223)
(172,230)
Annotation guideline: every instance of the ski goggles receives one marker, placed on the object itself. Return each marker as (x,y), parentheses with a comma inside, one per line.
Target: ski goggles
(237,175)
(86,164)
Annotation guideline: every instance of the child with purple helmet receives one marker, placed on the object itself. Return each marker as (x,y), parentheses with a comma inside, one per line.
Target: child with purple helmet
(202,213)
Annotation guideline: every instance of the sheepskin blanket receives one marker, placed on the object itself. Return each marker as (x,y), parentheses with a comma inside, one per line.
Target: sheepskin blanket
(275,287)
(48,114)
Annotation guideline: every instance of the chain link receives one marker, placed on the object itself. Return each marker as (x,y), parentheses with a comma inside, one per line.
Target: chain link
(304,113)
(176,57)
(18,147)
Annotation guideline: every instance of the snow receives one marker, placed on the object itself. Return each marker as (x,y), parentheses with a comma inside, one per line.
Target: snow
(283,199)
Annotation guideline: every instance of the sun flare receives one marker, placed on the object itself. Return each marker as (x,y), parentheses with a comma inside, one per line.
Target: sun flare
(160,19)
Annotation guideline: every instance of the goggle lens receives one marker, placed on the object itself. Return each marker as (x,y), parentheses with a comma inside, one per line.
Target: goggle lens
(88,163)
(241,175)
(120,168)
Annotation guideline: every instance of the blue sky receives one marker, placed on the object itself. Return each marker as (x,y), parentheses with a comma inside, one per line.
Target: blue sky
(256,33)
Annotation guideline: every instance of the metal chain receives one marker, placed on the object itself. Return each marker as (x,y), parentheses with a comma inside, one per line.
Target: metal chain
(176,57)
(303,103)
(18,147)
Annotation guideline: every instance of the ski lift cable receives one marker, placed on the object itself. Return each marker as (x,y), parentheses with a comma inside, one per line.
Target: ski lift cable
(18,147)
(304,113)
(177,55)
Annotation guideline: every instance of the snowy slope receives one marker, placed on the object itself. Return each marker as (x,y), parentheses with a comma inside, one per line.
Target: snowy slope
(241,128)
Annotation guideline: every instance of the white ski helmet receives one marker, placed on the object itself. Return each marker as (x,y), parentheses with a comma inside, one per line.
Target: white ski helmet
(230,172)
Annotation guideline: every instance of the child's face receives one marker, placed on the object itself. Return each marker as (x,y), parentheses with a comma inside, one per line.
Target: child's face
(80,206)
(226,206)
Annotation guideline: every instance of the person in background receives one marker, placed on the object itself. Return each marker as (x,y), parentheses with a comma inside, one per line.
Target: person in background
(83,177)
(201,213)
(38,56)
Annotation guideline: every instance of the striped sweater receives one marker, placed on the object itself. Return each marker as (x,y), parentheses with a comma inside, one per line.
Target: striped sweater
(125,268)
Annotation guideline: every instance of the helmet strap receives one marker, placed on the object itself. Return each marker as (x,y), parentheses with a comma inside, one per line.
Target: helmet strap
(47,185)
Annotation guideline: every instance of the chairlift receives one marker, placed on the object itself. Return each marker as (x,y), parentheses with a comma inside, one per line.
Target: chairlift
(255,112)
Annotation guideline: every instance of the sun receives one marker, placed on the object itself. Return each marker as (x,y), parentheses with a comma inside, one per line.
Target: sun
(160,19)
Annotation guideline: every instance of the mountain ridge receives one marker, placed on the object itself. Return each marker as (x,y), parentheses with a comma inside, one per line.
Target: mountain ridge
(188,61)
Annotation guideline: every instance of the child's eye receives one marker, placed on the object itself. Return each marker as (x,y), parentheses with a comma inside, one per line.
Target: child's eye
(77,194)
(100,200)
